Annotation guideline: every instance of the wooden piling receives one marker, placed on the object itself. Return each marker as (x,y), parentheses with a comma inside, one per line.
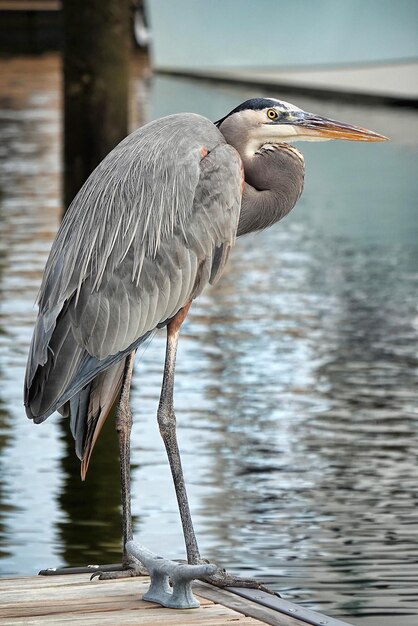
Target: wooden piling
(95,64)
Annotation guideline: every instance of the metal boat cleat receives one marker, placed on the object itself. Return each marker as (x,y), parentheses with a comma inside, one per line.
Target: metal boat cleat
(179,594)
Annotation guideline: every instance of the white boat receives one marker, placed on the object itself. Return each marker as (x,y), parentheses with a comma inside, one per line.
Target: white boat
(353,46)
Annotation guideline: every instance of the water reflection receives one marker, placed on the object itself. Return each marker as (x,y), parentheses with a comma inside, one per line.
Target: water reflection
(91,525)
(296,385)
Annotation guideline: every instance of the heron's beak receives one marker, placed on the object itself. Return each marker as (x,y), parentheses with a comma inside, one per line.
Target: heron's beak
(312,127)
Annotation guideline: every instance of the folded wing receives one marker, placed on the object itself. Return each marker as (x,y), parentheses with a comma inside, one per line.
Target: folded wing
(147,232)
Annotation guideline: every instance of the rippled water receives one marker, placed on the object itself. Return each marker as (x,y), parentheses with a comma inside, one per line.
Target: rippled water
(296,389)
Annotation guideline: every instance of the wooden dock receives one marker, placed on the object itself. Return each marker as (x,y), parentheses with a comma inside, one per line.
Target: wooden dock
(72,599)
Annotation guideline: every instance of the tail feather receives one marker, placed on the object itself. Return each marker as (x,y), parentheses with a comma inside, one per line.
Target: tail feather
(78,410)
(94,405)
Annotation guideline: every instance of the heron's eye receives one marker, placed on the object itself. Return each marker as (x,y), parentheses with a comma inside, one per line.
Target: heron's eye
(272,114)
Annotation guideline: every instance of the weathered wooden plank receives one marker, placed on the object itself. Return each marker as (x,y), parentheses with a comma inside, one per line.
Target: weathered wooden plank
(51,581)
(87,605)
(212,615)
(78,605)
(85,589)
(29,5)
(247,607)
(275,603)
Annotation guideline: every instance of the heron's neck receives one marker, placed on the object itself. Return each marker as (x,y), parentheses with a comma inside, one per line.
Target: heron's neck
(274,178)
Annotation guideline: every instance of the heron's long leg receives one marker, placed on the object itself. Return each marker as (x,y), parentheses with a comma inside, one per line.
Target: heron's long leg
(167,425)
(123,428)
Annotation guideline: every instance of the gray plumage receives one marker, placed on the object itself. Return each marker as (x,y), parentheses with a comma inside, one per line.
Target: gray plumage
(137,243)
(150,228)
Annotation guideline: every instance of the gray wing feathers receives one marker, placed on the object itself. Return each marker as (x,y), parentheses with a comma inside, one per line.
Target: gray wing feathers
(141,239)
(51,378)
(133,200)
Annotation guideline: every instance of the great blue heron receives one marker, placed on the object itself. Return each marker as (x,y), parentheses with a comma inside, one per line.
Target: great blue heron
(149,230)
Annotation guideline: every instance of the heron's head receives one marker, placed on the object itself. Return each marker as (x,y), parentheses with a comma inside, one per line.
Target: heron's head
(266,120)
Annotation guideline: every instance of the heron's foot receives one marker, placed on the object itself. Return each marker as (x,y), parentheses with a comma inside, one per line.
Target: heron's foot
(179,594)
(221,578)
(129,568)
